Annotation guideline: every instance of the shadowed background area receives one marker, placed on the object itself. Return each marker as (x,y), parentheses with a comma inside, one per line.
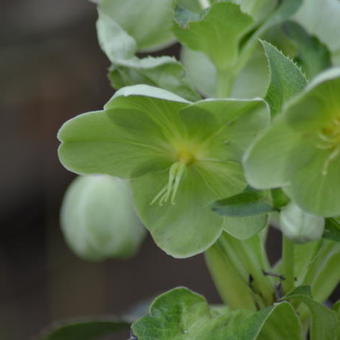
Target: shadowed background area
(51,69)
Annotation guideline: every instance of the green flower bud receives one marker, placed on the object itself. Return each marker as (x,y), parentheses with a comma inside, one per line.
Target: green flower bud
(98,218)
(299,225)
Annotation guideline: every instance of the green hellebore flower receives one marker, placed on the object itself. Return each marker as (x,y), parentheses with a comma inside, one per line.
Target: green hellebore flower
(301,150)
(180,157)
(98,219)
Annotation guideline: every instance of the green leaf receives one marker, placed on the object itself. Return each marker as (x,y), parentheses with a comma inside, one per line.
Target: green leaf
(84,330)
(148,22)
(165,72)
(314,12)
(98,219)
(332,229)
(311,54)
(286,79)
(218,34)
(324,321)
(183,315)
(248,203)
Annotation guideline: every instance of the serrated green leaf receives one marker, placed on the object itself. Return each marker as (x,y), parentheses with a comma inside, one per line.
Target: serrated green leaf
(248,203)
(324,320)
(217,34)
(286,79)
(84,330)
(182,315)
(311,54)
(332,229)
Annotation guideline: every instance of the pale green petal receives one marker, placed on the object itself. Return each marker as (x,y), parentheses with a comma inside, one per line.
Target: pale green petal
(148,91)
(244,227)
(149,22)
(314,191)
(91,144)
(189,226)
(321,18)
(185,228)
(266,162)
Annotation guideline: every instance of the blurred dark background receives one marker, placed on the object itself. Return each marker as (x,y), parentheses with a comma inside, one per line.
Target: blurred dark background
(52,69)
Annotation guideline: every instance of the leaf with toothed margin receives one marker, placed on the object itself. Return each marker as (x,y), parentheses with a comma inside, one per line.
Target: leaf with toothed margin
(286,79)
(184,315)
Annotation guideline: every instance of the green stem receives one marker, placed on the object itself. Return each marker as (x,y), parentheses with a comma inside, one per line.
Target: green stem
(233,289)
(253,262)
(288,264)
(225,81)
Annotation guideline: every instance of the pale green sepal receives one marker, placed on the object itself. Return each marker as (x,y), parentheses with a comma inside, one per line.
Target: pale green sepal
(244,228)
(321,18)
(324,320)
(266,161)
(113,40)
(146,91)
(184,315)
(92,144)
(98,219)
(217,34)
(299,225)
(188,226)
(149,22)
(164,72)
(313,191)
(286,79)
(311,54)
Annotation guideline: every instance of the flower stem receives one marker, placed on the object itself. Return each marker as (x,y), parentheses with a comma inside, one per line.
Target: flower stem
(288,264)
(224,84)
(233,289)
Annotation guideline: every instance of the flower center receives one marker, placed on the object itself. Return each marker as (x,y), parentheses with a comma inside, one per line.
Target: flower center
(184,158)
(329,139)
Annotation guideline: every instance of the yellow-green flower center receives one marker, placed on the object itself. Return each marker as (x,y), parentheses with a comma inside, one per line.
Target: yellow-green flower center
(183,158)
(329,139)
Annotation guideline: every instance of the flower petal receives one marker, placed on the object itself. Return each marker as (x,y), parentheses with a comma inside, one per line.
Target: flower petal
(91,144)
